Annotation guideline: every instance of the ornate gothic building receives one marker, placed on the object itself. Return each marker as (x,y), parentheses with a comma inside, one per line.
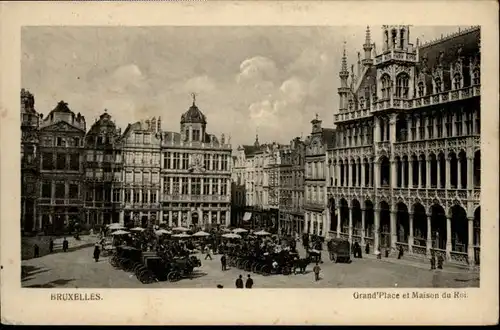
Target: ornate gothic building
(30,167)
(405,169)
(195,174)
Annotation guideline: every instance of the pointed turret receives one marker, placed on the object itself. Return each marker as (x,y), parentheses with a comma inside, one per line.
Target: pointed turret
(367,47)
(344,86)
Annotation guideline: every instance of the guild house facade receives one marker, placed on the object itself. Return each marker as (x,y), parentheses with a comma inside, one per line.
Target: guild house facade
(61,135)
(291,190)
(405,168)
(316,219)
(195,174)
(103,173)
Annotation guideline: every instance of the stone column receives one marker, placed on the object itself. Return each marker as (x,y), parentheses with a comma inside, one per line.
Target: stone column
(363,227)
(363,174)
(218,217)
(209,217)
(438,183)
(410,173)
(179,219)
(350,225)
(410,236)
(428,174)
(470,241)
(170,213)
(394,236)
(448,237)
(429,236)
(392,128)
(376,133)
(447,171)
(220,162)
(376,174)
(121,218)
(376,230)
(393,177)
(339,226)
(459,174)
(228,218)
(306,221)
(327,224)
(470,172)
(189,186)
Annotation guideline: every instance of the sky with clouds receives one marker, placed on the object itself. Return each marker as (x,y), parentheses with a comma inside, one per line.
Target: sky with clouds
(270,80)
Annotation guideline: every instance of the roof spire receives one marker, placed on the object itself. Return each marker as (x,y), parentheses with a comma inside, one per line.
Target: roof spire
(368,36)
(194,99)
(344,60)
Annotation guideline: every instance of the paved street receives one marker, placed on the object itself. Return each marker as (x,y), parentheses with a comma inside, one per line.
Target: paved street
(77,269)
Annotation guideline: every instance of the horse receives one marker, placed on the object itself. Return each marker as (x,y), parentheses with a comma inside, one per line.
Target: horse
(301,264)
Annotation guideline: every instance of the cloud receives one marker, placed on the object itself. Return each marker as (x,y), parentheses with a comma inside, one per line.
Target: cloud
(294,89)
(200,84)
(256,70)
(126,79)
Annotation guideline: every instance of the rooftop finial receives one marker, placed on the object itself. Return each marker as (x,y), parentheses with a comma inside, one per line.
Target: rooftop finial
(368,36)
(344,59)
(316,116)
(194,98)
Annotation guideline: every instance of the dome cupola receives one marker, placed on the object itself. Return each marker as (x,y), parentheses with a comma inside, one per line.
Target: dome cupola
(193,115)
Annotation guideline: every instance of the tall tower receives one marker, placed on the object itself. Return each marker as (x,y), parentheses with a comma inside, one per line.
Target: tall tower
(396,37)
(368,47)
(344,87)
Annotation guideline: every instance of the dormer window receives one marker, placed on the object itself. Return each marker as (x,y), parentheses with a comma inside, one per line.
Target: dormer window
(402,88)
(421,89)
(437,85)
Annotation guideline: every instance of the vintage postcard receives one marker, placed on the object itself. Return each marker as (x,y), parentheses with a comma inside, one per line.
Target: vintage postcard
(323,157)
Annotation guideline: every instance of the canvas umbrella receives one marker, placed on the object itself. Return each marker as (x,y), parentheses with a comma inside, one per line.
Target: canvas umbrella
(115,226)
(137,229)
(201,234)
(180,229)
(262,233)
(231,236)
(239,230)
(120,232)
(162,232)
(182,235)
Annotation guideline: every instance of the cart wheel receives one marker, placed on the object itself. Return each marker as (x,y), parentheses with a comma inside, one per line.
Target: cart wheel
(173,276)
(266,270)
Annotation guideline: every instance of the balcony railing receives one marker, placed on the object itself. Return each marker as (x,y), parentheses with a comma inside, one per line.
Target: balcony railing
(396,55)
(196,198)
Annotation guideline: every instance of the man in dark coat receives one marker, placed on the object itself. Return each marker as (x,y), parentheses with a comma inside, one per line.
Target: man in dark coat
(37,251)
(239,282)
(51,245)
(97,252)
(223,262)
(401,252)
(249,282)
(65,244)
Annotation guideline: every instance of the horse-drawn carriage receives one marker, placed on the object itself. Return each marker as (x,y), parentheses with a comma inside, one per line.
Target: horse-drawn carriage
(150,266)
(264,263)
(339,250)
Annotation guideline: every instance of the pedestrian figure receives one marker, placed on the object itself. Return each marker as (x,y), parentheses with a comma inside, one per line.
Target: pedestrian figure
(219,286)
(223,262)
(433,261)
(51,245)
(97,252)
(401,252)
(360,252)
(440,261)
(37,251)
(249,282)
(209,253)
(378,254)
(316,271)
(65,244)
(357,250)
(239,282)
(367,248)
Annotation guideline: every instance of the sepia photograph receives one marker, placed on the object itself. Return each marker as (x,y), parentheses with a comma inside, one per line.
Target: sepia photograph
(295,162)
(305,157)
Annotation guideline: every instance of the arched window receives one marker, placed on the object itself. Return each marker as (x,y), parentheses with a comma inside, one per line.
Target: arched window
(421,89)
(457,81)
(386,86)
(437,85)
(402,88)
(394,38)
(476,77)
